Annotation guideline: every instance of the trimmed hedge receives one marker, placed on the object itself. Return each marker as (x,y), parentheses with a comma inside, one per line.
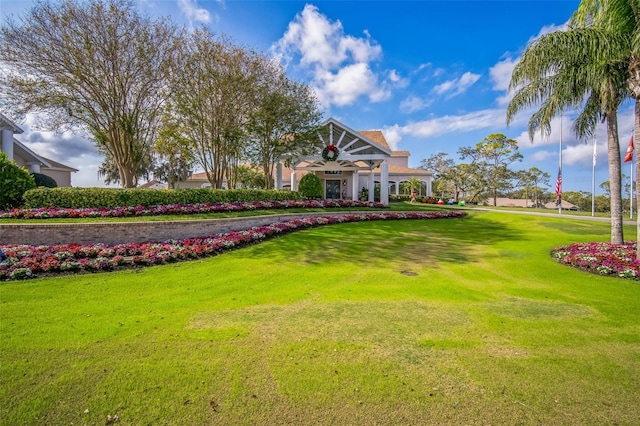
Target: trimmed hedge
(399,198)
(44,180)
(118,197)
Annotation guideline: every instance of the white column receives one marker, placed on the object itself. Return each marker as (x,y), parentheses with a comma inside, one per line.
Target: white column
(397,186)
(34,167)
(384,183)
(372,186)
(355,190)
(294,183)
(279,175)
(7,142)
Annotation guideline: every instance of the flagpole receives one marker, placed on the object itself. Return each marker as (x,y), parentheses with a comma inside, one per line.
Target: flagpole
(593,177)
(631,185)
(559,182)
(629,157)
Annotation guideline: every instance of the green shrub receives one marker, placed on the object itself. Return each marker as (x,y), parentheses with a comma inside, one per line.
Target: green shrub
(310,186)
(399,198)
(14,182)
(120,197)
(44,180)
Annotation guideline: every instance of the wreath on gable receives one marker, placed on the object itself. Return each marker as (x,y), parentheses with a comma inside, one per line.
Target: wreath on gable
(330,153)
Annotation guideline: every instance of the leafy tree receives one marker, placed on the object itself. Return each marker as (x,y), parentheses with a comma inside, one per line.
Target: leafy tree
(467,179)
(284,121)
(214,90)
(14,182)
(110,172)
(441,166)
(250,179)
(175,158)
(606,188)
(492,156)
(581,199)
(533,181)
(310,186)
(95,63)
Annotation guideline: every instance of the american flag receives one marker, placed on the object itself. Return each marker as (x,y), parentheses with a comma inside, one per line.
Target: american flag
(559,184)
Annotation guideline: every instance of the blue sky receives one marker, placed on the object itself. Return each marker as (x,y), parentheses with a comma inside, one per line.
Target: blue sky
(432,75)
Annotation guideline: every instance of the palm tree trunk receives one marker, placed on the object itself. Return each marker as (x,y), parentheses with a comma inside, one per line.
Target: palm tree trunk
(615,178)
(636,141)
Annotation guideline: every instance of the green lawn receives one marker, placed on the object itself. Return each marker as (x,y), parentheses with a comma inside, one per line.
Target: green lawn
(410,322)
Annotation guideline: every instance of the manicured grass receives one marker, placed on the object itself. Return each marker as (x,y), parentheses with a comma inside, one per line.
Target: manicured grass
(410,322)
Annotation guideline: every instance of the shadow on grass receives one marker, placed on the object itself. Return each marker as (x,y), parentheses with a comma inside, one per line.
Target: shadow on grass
(415,241)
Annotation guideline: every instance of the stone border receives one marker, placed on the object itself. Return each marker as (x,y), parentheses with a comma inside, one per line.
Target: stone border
(137,232)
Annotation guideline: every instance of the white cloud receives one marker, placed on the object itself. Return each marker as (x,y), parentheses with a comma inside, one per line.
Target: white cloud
(393,136)
(349,83)
(457,86)
(547,29)
(454,123)
(414,103)
(69,148)
(338,64)
(501,72)
(445,125)
(193,12)
(397,80)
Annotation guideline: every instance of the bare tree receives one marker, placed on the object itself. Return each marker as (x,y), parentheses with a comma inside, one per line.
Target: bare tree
(96,63)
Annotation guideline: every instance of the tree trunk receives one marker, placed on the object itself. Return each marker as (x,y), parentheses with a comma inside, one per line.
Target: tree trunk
(615,178)
(266,171)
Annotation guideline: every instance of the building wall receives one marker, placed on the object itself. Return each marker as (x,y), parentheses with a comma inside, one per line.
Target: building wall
(62,178)
(135,232)
(399,160)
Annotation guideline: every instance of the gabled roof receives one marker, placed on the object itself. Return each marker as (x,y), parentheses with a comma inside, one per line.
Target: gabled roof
(56,165)
(377,136)
(380,144)
(29,156)
(399,170)
(357,150)
(5,123)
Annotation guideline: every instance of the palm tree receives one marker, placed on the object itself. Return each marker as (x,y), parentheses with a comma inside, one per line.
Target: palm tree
(579,68)
(621,18)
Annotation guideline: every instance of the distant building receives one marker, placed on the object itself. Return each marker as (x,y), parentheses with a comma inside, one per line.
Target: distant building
(525,203)
(565,206)
(24,157)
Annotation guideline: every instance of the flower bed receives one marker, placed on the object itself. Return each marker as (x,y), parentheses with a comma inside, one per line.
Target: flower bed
(179,209)
(601,258)
(31,261)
